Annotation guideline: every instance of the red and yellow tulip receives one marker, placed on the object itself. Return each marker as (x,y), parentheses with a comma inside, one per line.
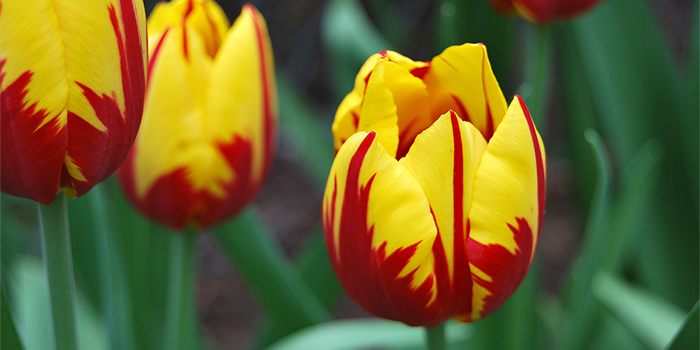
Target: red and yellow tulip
(72,82)
(208,133)
(542,11)
(435,199)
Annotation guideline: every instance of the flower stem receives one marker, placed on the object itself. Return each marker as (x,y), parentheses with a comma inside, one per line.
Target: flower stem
(436,337)
(180,320)
(58,265)
(537,71)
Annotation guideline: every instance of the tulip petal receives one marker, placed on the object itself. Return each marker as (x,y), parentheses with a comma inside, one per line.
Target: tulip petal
(461,79)
(379,233)
(69,51)
(412,104)
(378,111)
(347,117)
(206,17)
(444,159)
(507,209)
(243,89)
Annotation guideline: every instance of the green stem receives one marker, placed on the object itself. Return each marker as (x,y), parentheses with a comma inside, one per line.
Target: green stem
(538,61)
(180,320)
(278,285)
(436,337)
(58,265)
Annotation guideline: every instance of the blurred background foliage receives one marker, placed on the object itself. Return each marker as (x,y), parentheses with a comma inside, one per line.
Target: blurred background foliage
(615,96)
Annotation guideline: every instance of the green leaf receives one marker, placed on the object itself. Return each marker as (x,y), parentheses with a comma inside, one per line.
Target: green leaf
(8,332)
(262,263)
(316,270)
(32,305)
(653,319)
(363,334)
(579,114)
(634,82)
(582,310)
(634,196)
(687,337)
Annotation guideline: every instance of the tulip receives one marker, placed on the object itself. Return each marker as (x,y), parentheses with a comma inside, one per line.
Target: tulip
(208,132)
(542,11)
(435,199)
(72,82)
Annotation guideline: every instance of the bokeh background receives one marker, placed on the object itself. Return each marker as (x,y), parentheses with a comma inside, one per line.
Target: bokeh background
(628,70)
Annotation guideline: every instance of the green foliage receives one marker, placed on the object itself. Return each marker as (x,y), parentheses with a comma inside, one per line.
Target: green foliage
(618,111)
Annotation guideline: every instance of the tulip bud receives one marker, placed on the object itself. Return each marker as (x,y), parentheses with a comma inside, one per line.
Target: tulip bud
(72,82)
(435,199)
(208,133)
(542,11)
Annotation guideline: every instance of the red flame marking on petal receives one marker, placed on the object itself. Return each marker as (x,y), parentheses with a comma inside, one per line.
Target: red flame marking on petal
(155,56)
(461,279)
(463,114)
(32,156)
(370,276)
(420,72)
(269,132)
(505,269)
(98,154)
(541,176)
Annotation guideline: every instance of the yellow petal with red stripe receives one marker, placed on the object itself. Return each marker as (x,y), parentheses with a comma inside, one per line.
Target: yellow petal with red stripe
(380,232)
(444,159)
(461,79)
(174,128)
(378,111)
(409,95)
(73,76)
(205,16)
(507,209)
(207,138)
(243,92)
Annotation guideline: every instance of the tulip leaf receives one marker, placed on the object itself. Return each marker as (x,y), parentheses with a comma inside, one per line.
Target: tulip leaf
(687,337)
(630,96)
(580,112)
(9,339)
(582,309)
(653,319)
(350,38)
(277,284)
(32,305)
(634,194)
(315,269)
(366,333)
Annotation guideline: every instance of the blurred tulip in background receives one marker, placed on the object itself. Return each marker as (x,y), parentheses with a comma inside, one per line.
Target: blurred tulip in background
(431,217)
(72,76)
(541,11)
(208,134)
